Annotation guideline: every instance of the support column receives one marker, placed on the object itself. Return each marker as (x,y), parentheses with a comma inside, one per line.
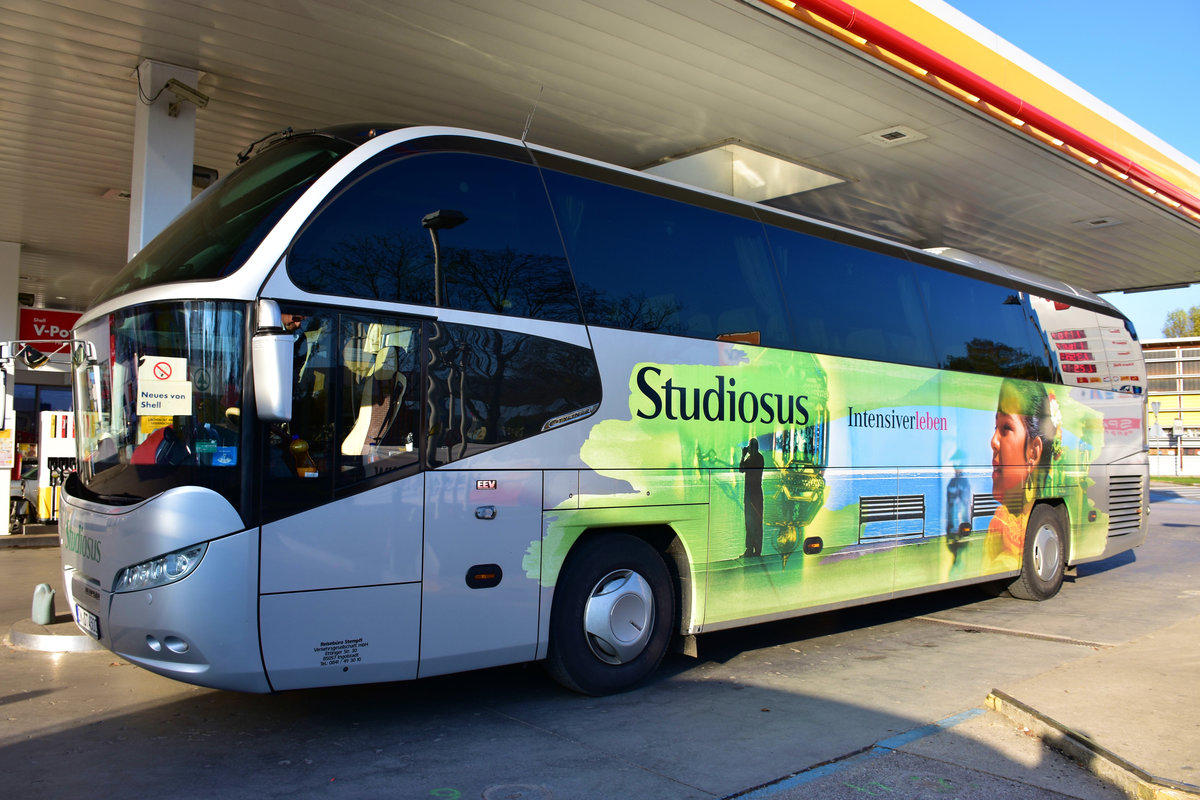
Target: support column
(10,269)
(163,150)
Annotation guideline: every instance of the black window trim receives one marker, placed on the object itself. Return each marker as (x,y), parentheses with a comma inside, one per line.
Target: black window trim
(544,159)
(767,216)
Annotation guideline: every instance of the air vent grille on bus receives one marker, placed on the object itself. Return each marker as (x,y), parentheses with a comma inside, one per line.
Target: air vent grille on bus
(1125,497)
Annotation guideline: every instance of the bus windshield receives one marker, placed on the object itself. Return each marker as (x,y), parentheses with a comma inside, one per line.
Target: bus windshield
(221,228)
(158,403)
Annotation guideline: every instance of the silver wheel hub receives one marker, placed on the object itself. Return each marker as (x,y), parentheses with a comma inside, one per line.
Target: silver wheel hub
(619,617)
(1047,553)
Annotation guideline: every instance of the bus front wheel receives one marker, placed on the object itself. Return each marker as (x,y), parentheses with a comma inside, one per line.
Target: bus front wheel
(1044,559)
(610,623)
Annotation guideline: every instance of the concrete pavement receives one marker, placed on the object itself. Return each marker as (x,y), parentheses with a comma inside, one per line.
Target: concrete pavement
(1130,714)
(1127,714)
(1127,711)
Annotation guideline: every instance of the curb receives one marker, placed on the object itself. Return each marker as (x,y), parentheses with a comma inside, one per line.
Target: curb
(58,637)
(1134,781)
(29,540)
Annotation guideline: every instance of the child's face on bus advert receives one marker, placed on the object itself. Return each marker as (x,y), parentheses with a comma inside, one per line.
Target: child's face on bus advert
(1014,453)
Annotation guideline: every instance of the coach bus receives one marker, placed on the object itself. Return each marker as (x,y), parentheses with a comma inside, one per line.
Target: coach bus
(387,403)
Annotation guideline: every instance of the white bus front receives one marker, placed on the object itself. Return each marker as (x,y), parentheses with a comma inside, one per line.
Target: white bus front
(162,487)
(287,485)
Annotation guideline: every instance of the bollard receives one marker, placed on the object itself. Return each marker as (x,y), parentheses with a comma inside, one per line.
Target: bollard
(43,604)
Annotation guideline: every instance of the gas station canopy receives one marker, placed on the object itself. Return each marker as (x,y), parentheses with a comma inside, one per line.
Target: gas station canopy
(922,126)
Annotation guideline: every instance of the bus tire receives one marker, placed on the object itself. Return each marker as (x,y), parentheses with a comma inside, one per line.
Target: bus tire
(610,623)
(1044,560)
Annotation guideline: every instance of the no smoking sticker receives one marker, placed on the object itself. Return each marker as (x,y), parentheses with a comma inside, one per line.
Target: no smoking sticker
(161,368)
(160,388)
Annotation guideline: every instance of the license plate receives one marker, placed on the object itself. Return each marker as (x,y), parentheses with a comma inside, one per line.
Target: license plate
(88,621)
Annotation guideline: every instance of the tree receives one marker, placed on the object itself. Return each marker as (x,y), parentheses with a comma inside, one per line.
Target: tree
(1182,323)
(987,357)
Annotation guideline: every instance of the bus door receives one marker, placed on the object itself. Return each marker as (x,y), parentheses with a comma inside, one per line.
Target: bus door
(342,497)
(340,590)
(480,588)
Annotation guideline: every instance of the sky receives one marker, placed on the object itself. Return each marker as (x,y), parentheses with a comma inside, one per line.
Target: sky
(1138,58)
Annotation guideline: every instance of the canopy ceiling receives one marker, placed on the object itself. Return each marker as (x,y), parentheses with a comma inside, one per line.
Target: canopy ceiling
(626,81)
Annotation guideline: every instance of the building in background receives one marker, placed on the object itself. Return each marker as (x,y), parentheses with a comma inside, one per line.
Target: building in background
(46,385)
(1173,413)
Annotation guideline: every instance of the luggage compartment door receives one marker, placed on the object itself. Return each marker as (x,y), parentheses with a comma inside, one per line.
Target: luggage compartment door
(482,565)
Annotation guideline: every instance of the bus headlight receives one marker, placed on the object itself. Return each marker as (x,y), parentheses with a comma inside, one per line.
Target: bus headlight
(160,571)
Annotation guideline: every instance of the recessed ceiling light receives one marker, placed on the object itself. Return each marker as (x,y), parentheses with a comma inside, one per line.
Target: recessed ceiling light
(893,136)
(1096,222)
(744,172)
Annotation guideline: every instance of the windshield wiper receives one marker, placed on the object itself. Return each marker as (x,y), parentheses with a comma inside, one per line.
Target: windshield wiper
(244,156)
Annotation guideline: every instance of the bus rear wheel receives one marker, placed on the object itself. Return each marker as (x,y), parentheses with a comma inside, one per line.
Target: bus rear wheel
(610,623)
(1044,560)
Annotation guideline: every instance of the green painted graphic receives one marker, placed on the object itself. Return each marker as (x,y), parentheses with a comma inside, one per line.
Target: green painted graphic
(797,481)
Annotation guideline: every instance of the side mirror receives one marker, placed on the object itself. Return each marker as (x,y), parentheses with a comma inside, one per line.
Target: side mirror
(271,360)
(32,357)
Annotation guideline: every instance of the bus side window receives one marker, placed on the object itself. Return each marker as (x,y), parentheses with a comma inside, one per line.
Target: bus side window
(485,388)
(378,424)
(298,453)
(355,413)
(480,226)
(655,264)
(981,327)
(850,301)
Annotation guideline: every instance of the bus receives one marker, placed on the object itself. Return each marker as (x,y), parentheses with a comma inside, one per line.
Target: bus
(386,403)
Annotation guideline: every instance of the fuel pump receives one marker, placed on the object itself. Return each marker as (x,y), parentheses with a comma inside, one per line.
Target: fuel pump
(56,460)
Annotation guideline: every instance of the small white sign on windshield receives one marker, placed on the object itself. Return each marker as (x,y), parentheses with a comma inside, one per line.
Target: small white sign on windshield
(163,387)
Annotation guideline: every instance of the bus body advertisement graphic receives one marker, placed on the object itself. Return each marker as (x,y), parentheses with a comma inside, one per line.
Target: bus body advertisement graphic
(816,473)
